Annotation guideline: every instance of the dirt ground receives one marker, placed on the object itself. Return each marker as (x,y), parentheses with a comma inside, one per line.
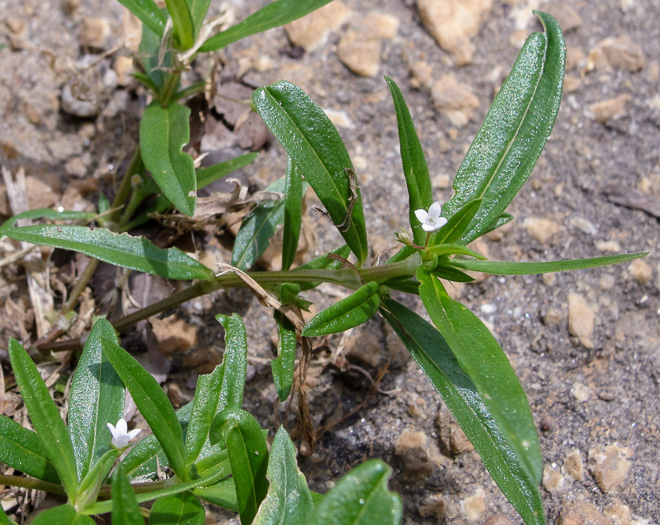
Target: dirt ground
(584,344)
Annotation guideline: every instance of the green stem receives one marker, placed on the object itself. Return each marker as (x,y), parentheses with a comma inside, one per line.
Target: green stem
(343,277)
(125,186)
(31,483)
(169,88)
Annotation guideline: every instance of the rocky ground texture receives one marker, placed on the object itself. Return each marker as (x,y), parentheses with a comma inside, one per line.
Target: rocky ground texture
(585,344)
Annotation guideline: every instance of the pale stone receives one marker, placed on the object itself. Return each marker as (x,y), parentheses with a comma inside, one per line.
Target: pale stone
(574,466)
(312,30)
(498,519)
(641,271)
(474,506)
(608,246)
(414,450)
(453,22)
(94,32)
(580,392)
(380,25)
(567,16)
(359,54)
(541,229)
(552,316)
(364,346)
(553,481)
(456,101)
(609,465)
(453,440)
(619,513)
(608,109)
(581,319)
(123,68)
(580,512)
(421,75)
(623,53)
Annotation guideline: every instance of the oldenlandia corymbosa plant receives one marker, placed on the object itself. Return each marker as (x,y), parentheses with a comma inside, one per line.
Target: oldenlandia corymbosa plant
(212,449)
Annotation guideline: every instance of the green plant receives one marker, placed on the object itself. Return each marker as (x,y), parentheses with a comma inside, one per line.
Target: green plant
(215,450)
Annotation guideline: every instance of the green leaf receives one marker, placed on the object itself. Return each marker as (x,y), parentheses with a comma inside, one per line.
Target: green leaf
(91,484)
(136,253)
(47,213)
(148,13)
(293,204)
(273,15)
(457,224)
(205,404)
(284,364)
(234,362)
(21,449)
(222,494)
(316,148)
(152,60)
(531,268)
(444,250)
(350,312)
(288,501)
(182,24)
(248,455)
(96,398)
(62,515)
(405,285)
(418,181)
(152,402)
(483,360)
(437,361)
(147,82)
(257,229)
(206,176)
(445,271)
(178,509)
(503,219)
(163,133)
(125,509)
(45,417)
(198,10)
(360,498)
(514,131)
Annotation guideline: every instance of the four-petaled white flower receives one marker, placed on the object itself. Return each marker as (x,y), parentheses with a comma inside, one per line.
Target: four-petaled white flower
(431,221)
(120,434)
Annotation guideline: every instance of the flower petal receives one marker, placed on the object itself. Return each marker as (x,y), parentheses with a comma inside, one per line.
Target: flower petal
(435,210)
(421,215)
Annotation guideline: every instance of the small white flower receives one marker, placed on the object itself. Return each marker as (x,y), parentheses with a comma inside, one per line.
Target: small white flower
(120,434)
(431,221)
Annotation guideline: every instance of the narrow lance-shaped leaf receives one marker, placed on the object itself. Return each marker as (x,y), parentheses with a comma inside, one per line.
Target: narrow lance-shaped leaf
(163,133)
(248,455)
(148,13)
(360,498)
(21,449)
(96,398)
(316,148)
(136,253)
(289,501)
(514,131)
(125,509)
(234,362)
(257,229)
(284,364)
(437,361)
(275,14)
(481,357)
(198,10)
(45,417)
(350,312)
(457,224)
(204,406)
(62,515)
(209,174)
(182,24)
(152,402)
(293,204)
(418,181)
(531,268)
